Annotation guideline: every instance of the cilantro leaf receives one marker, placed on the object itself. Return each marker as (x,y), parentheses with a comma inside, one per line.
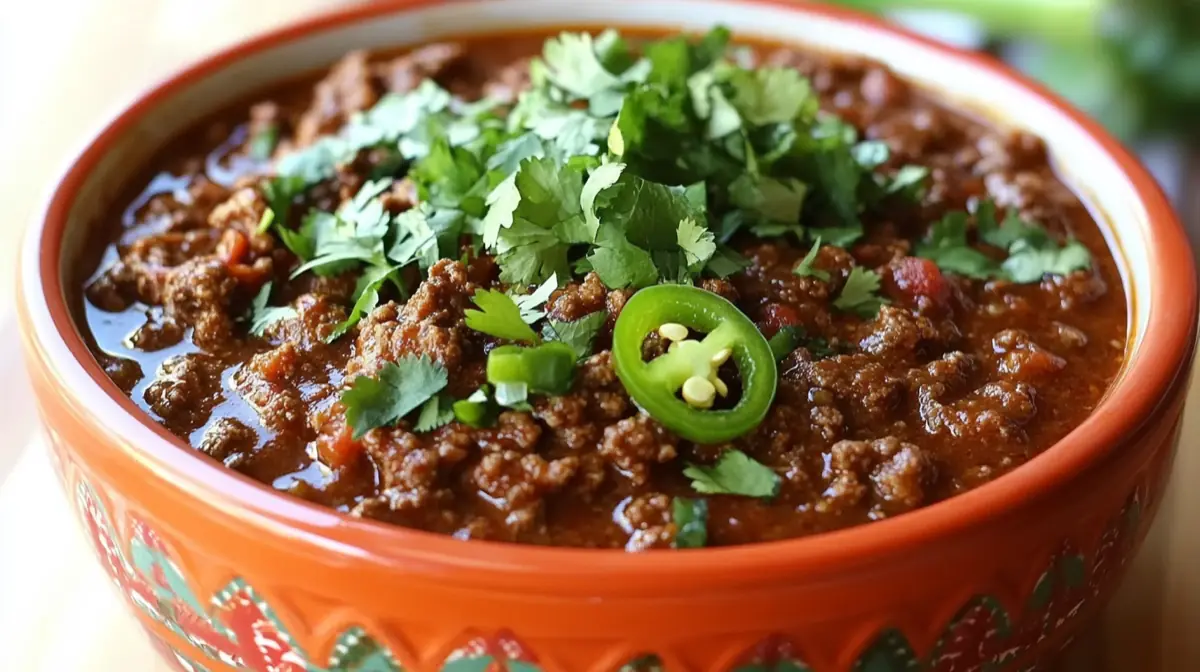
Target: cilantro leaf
(735,473)
(1032,253)
(772,95)
(573,66)
(367,292)
(477,410)
(788,338)
(726,262)
(691,522)
(597,183)
(805,268)
(946,245)
(531,304)
(435,413)
(1026,263)
(860,293)
(499,316)
(262,144)
(534,218)
(697,243)
(620,263)
(579,334)
(400,388)
(263,316)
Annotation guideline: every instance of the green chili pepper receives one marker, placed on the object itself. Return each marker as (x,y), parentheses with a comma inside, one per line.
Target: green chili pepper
(689,368)
(548,368)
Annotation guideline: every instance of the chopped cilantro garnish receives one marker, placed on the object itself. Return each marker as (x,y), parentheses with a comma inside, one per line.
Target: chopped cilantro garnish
(860,293)
(1032,252)
(262,144)
(436,412)
(476,410)
(398,390)
(691,522)
(735,473)
(499,316)
(805,268)
(263,316)
(579,334)
(531,304)
(946,245)
(787,339)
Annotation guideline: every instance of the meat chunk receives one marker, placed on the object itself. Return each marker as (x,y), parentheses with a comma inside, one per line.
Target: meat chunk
(270,384)
(508,82)
(198,293)
(891,475)
(517,484)
(899,332)
(430,323)
(635,443)
(578,299)
(1019,358)
(317,315)
(859,384)
(648,521)
(349,87)
(997,411)
(185,390)
(431,61)
(228,440)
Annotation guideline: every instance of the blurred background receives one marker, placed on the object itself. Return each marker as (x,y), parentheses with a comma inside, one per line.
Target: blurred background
(68,65)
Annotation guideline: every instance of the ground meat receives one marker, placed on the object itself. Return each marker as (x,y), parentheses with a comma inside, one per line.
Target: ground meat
(892,474)
(1019,358)
(269,383)
(316,317)
(998,409)
(430,323)
(578,299)
(348,88)
(403,74)
(243,211)
(571,419)
(896,331)
(857,382)
(517,484)
(198,293)
(508,82)
(156,334)
(228,440)
(635,443)
(1076,290)
(126,373)
(185,389)
(647,520)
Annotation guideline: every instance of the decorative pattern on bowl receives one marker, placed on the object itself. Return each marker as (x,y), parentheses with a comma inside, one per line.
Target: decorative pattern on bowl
(238,629)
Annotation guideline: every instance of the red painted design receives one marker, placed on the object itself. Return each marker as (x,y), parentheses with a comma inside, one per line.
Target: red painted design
(260,644)
(501,648)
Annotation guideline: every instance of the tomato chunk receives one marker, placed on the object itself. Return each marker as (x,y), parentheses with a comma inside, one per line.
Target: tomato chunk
(777,316)
(914,277)
(338,449)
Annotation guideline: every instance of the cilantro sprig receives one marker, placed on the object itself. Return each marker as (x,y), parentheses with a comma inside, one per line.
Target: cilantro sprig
(399,389)
(860,294)
(263,316)
(1031,252)
(734,473)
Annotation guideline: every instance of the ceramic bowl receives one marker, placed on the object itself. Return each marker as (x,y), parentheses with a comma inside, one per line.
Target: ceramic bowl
(227,575)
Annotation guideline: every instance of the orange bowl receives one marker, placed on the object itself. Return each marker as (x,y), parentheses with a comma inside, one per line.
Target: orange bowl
(226,574)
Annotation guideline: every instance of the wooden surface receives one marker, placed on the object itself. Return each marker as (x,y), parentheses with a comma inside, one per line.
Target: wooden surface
(65,65)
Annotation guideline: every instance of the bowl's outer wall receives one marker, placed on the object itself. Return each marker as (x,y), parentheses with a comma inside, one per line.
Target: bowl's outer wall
(231,590)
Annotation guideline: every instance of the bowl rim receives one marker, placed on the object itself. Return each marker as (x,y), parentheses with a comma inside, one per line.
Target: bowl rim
(53,342)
